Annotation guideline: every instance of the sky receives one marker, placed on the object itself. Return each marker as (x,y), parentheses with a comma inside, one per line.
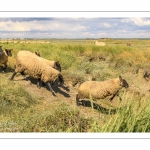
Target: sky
(75,27)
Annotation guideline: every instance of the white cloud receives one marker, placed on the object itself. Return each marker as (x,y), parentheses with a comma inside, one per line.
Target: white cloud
(137,21)
(40,26)
(75,27)
(106,25)
(140,22)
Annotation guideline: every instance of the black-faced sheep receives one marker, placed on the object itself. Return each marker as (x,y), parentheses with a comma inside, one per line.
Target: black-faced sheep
(100,90)
(38,69)
(4,58)
(53,64)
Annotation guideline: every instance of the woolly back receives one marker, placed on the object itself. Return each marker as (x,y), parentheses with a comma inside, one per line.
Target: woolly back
(118,82)
(52,63)
(49,73)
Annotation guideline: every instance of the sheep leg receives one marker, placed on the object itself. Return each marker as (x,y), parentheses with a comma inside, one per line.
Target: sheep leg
(4,68)
(22,73)
(38,84)
(120,98)
(113,96)
(12,77)
(77,100)
(50,88)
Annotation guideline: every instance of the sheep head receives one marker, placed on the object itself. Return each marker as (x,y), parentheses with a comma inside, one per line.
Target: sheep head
(8,52)
(123,82)
(57,66)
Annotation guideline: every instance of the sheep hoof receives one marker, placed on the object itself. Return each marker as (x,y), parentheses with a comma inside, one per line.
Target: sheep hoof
(53,94)
(38,87)
(110,100)
(3,72)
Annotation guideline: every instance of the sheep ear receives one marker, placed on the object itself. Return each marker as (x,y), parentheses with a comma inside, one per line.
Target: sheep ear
(120,78)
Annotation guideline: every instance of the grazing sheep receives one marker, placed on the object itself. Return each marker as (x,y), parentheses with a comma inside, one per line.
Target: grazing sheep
(99,43)
(100,90)
(4,58)
(38,69)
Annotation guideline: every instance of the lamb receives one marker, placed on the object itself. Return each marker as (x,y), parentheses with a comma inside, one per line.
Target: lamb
(100,90)
(4,58)
(38,69)
(99,43)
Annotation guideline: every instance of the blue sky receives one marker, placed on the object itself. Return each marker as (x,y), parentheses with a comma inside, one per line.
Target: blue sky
(79,27)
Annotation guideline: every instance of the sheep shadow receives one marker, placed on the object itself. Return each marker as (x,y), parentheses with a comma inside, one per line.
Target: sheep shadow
(55,88)
(7,70)
(87,103)
(58,90)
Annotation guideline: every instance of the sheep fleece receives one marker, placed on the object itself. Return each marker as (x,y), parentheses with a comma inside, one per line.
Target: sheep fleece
(3,58)
(30,54)
(36,68)
(99,90)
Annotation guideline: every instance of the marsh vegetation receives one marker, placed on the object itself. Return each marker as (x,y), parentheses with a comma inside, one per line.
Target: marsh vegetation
(25,108)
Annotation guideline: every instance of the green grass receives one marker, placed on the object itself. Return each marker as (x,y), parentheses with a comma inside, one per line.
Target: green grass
(22,112)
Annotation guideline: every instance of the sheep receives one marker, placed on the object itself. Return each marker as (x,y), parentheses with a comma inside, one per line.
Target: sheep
(38,69)
(53,64)
(4,58)
(100,90)
(128,44)
(99,43)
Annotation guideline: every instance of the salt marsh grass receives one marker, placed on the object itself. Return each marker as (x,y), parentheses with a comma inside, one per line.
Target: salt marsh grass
(81,60)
